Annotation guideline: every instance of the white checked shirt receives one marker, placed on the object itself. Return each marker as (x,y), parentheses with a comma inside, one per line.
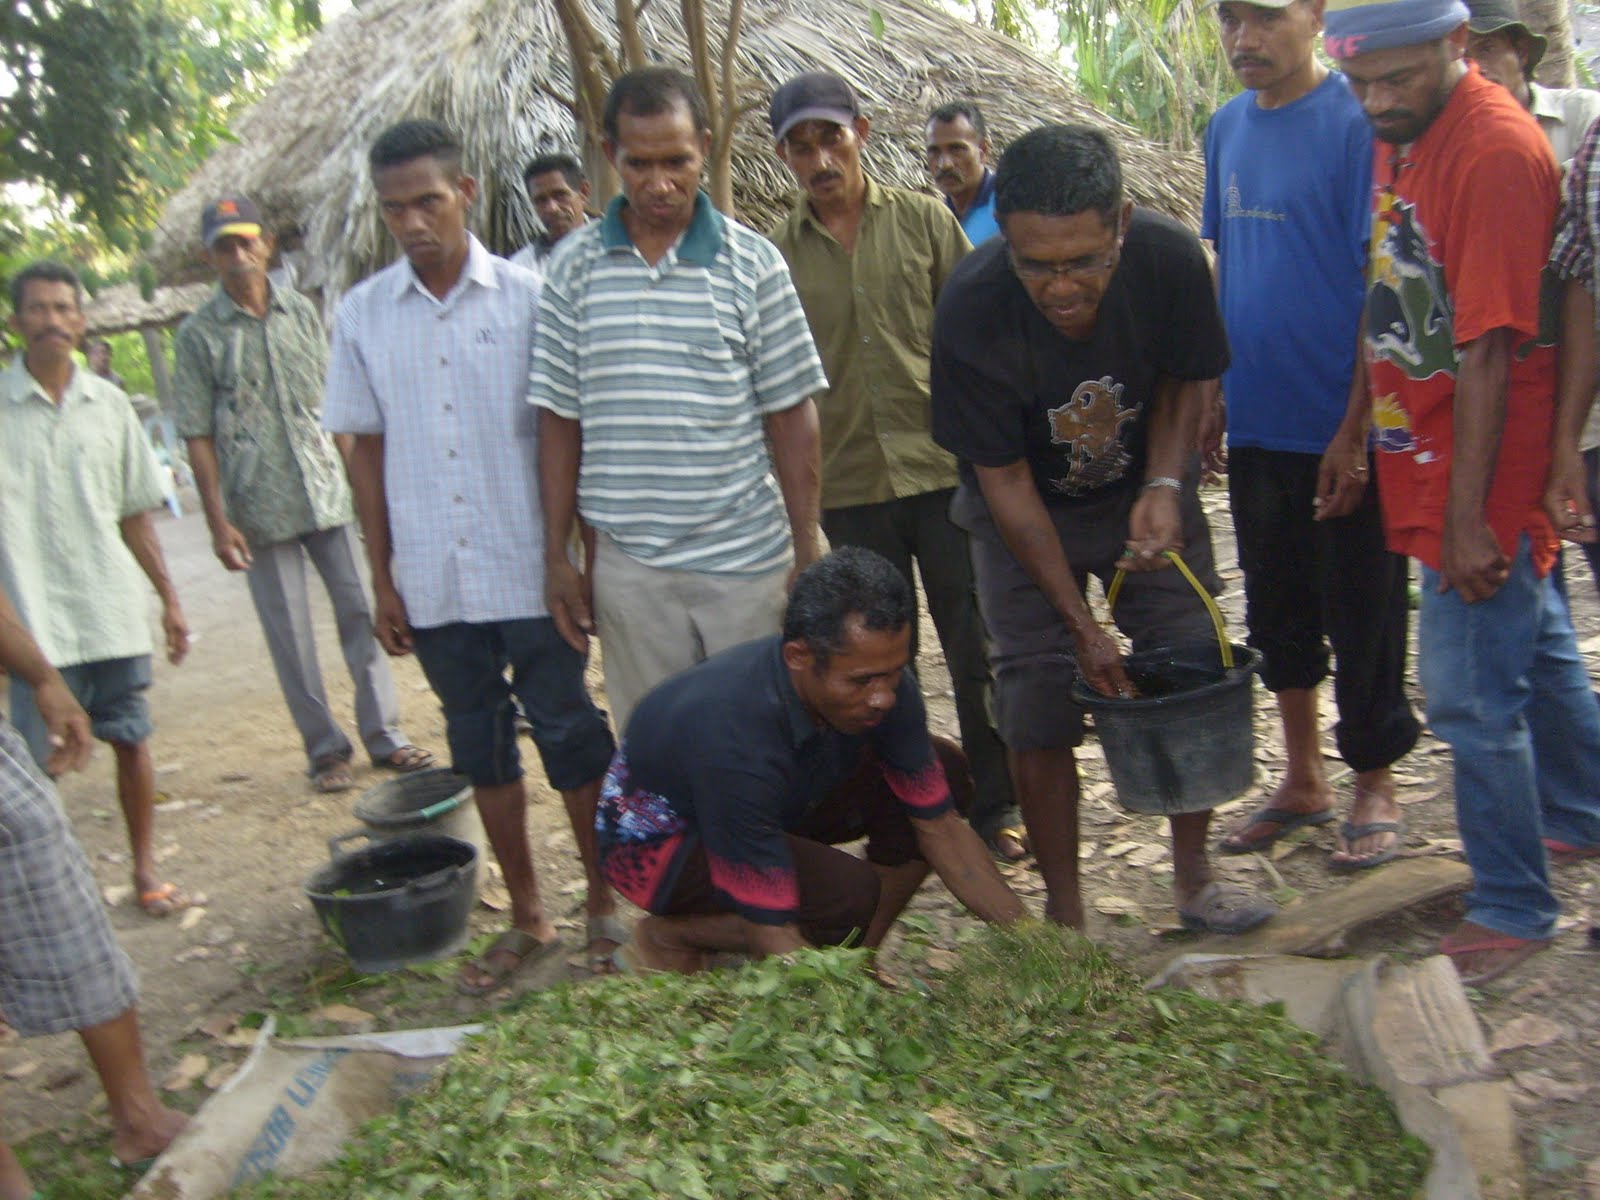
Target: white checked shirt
(444,382)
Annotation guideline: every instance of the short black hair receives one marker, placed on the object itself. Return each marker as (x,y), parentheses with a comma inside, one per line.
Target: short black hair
(962,108)
(1059,171)
(646,91)
(45,270)
(569,167)
(850,582)
(410,140)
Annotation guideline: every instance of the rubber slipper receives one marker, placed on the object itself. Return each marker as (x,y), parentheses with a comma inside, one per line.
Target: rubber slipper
(526,950)
(1564,854)
(1226,908)
(163,901)
(1017,834)
(1285,819)
(332,775)
(1354,833)
(406,760)
(609,928)
(1516,950)
(624,962)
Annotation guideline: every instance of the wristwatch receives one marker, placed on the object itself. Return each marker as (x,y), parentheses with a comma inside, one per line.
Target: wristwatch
(1166,481)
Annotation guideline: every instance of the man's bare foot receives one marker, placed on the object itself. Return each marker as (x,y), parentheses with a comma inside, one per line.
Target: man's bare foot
(1374,805)
(1291,806)
(1069,913)
(148,1136)
(655,949)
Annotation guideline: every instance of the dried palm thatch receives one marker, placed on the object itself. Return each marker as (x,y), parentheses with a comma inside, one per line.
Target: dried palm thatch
(498,72)
(120,308)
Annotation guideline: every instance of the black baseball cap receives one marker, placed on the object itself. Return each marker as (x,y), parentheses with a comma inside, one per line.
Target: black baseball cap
(814,96)
(229,216)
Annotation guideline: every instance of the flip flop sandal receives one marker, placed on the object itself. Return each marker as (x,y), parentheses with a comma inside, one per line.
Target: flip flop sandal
(332,775)
(163,901)
(1563,854)
(1518,951)
(609,928)
(405,760)
(527,950)
(624,962)
(1285,819)
(1226,908)
(1354,833)
(1016,833)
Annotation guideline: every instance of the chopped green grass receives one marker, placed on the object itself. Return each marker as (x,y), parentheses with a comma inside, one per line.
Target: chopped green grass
(1035,1067)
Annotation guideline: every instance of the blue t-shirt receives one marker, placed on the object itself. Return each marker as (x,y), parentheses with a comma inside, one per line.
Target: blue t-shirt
(979,224)
(1288,205)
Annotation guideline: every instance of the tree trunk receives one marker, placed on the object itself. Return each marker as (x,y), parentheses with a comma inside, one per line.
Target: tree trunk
(1550,19)
(157,353)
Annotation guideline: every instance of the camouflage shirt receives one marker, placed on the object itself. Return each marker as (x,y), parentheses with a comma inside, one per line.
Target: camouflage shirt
(254,387)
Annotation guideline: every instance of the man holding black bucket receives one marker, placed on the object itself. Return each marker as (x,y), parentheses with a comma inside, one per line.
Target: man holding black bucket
(1067,359)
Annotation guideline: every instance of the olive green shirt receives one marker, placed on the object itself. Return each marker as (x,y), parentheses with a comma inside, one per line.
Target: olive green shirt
(871,315)
(254,387)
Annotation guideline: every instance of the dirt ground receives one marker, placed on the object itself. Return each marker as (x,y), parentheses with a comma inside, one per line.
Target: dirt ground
(239,825)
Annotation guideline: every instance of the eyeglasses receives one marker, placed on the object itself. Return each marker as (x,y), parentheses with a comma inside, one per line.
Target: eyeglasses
(1080,270)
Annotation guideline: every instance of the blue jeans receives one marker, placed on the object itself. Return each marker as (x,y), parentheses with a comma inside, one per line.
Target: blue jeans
(1508,691)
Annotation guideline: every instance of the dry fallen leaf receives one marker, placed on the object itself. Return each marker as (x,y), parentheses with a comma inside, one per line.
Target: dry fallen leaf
(1116,906)
(117,893)
(190,1068)
(1530,1029)
(1121,848)
(191,917)
(22,1070)
(495,898)
(953,1121)
(1144,856)
(940,960)
(217,1027)
(343,1014)
(219,1075)
(1545,1086)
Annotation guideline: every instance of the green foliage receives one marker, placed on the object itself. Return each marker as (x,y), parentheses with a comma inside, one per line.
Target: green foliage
(1036,1068)
(1155,64)
(117,101)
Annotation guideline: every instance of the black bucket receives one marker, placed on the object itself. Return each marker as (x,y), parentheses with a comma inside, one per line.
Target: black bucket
(396,902)
(1187,742)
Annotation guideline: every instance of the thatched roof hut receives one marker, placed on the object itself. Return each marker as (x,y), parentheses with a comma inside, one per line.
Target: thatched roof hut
(498,72)
(122,307)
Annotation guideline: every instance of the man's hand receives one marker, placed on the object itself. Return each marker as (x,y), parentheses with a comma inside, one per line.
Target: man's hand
(176,630)
(1341,476)
(1154,527)
(230,547)
(806,551)
(569,596)
(1208,439)
(1566,497)
(1100,662)
(70,739)
(390,622)
(1471,560)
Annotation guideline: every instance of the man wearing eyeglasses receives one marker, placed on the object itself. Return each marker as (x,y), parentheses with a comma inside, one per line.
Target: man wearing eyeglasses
(1067,361)
(1288,207)
(869,262)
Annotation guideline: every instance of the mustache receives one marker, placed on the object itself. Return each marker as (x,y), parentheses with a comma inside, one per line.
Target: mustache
(822,177)
(1248,60)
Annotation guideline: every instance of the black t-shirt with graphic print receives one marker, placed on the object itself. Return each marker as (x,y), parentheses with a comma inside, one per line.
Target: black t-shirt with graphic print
(1007,385)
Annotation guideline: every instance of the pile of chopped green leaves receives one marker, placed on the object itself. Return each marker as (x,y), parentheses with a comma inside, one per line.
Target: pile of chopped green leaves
(1034,1067)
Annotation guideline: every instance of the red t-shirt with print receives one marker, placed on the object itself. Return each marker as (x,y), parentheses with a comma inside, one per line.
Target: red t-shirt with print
(1461,226)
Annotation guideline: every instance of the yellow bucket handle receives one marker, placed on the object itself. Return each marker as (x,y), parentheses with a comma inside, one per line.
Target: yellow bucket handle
(1176,560)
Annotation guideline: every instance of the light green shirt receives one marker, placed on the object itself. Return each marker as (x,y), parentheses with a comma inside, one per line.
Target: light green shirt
(871,313)
(73,473)
(254,387)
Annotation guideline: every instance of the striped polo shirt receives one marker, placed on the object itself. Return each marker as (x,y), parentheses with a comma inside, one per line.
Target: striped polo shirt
(670,371)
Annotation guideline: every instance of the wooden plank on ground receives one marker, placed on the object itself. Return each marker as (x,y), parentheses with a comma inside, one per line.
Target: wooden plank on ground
(1320,924)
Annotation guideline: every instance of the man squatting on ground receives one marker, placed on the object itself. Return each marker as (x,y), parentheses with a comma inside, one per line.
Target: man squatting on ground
(1066,359)
(76,535)
(1288,207)
(250,364)
(429,372)
(1465,198)
(737,779)
(60,967)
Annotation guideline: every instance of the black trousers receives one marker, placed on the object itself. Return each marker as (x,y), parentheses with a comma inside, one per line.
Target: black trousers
(1308,583)
(919,527)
